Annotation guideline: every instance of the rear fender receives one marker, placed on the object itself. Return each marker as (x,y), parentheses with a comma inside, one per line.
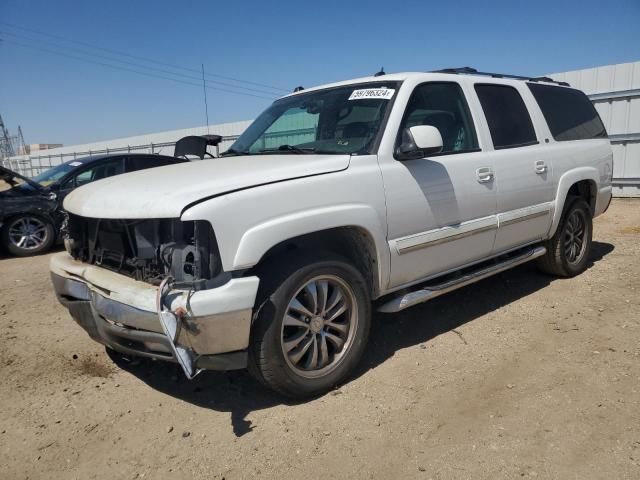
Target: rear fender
(564,184)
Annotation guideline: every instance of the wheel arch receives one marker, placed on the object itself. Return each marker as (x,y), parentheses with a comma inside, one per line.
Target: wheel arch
(352,242)
(583,183)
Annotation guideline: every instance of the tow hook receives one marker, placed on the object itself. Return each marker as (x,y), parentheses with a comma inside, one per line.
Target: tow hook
(171,325)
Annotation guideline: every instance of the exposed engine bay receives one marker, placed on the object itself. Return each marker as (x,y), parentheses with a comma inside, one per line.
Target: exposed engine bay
(147,250)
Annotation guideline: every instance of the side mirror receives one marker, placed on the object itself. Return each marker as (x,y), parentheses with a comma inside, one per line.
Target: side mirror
(419,141)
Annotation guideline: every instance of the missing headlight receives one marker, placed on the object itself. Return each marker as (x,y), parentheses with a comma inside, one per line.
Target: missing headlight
(147,250)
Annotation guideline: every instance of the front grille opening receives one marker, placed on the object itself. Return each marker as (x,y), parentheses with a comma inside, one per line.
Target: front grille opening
(146,250)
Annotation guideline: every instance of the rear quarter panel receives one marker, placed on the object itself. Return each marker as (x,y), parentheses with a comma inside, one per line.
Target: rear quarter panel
(578,160)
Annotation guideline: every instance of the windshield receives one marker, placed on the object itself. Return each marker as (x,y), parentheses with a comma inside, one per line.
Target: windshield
(54,174)
(342,120)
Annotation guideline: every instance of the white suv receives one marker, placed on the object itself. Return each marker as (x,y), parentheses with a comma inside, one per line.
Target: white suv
(395,188)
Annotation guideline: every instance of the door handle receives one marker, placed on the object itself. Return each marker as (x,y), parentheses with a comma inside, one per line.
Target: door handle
(541,167)
(484,174)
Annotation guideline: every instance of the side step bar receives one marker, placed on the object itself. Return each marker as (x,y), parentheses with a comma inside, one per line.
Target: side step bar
(424,293)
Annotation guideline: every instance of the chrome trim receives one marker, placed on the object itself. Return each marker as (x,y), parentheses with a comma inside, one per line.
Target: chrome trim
(522,214)
(415,297)
(445,234)
(207,334)
(449,233)
(528,216)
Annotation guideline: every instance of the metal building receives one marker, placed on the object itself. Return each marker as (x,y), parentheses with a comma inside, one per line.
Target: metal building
(615,91)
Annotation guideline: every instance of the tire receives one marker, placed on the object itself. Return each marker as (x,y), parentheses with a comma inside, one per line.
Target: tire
(560,259)
(293,350)
(27,234)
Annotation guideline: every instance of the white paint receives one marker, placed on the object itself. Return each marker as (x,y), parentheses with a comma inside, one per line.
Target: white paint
(417,213)
(426,137)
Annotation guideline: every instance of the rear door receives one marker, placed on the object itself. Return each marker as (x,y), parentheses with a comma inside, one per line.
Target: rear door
(522,164)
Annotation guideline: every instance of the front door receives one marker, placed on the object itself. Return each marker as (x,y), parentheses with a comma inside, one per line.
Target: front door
(441,210)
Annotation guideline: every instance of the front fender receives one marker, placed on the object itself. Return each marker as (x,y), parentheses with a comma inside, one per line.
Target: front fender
(259,239)
(248,223)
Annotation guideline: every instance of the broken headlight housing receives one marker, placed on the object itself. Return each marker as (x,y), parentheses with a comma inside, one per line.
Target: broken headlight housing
(148,250)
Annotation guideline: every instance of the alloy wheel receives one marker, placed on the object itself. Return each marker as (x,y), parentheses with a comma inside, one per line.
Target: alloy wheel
(28,233)
(319,326)
(574,240)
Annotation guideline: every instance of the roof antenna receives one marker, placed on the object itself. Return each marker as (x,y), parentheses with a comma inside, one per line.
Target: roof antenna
(380,73)
(204,90)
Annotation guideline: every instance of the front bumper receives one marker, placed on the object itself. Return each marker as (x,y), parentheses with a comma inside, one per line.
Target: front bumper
(121,313)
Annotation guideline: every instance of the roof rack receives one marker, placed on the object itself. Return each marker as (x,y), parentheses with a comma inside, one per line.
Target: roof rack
(473,71)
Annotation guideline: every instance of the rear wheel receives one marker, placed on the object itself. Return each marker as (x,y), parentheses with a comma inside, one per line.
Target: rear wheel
(28,235)
(312,326)
(568,250)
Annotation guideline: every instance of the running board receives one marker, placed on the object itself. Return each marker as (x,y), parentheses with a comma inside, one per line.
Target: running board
(409,299)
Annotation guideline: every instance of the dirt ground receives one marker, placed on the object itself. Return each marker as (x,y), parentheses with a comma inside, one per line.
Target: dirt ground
(520,375)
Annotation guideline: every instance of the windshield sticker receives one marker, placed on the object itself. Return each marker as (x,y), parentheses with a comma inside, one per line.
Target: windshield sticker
(75,164)
(383,93)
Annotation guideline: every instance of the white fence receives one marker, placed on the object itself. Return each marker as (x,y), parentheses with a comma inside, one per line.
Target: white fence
(162,143)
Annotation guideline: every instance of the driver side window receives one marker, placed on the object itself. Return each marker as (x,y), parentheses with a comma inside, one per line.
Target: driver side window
(442,105)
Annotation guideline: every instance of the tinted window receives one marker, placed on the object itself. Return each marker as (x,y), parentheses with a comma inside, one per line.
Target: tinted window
(442,105)
(99,171)
(142,162)
(345,119)
(509,121)
(568,112)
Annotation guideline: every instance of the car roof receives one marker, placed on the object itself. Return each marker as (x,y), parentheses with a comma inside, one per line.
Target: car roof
(402,76)
(89,159)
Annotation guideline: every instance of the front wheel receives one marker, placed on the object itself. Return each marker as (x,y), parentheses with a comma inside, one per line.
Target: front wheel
(312,327)
(28,235)
(568,250)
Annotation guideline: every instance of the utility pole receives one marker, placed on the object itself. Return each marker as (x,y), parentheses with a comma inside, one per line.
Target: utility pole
(6,147)
(23,145)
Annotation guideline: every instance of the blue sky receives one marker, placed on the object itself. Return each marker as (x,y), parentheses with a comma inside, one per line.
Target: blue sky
(57,99)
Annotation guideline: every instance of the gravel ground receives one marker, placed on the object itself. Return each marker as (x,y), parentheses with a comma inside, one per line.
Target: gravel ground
(520,375)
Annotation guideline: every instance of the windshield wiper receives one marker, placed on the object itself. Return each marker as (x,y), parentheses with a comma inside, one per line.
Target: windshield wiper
(232,152)
(288,148)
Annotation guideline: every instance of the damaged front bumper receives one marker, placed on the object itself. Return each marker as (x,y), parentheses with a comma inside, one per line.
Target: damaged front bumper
(122,313)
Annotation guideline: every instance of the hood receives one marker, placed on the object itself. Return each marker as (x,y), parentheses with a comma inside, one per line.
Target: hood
(7,174)
(164,192)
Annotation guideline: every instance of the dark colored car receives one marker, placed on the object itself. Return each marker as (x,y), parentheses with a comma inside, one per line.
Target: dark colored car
(31,209)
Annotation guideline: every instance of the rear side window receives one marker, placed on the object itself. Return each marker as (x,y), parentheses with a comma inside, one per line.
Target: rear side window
(568,112)
(509,121)
(99,171)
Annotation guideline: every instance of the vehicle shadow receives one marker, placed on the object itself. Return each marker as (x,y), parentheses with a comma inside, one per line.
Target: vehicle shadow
(239,394)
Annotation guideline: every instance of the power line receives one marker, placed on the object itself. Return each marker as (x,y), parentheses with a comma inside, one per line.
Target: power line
(137,65)
(116,52)
(118,67)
